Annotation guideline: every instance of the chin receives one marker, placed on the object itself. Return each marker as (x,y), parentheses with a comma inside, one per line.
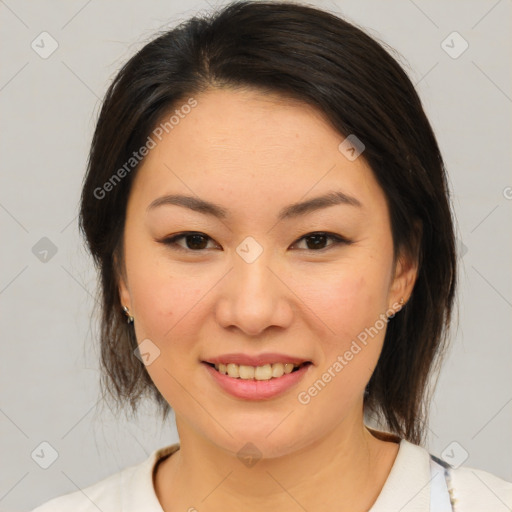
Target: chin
(258,440)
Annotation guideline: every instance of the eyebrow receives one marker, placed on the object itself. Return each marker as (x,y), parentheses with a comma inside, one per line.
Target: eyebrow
(293,210)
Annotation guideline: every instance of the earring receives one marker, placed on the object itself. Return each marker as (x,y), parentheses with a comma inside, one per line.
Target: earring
(401,303)
(127,313)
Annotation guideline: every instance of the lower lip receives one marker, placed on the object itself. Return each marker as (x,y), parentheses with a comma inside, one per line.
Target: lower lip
(257,389)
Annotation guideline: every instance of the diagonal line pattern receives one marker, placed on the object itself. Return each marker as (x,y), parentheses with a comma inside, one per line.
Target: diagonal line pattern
(14,218)
(3,2)
(484,218)
(2,497)
(414,496)
(485,15)
(75,15)
(13,279)
(68,224)
(74,426)
(14,76)
(424,14)
(491,490)
(14,423)
(216,487)
(487,423)
(286,491)
(491,285)
(81,490)
(425,75)
(492,81)
(275,428)
(80,79)
(79,283)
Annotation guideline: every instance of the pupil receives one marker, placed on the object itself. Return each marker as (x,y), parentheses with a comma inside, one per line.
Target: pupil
(318,241)
(196,241)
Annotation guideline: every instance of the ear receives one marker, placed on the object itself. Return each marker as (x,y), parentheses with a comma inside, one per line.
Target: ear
(123,290)
(406,271)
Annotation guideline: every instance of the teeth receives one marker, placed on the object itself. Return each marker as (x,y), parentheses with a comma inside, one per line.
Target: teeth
(246,372)
(288,367)
(233,370)
(265,372)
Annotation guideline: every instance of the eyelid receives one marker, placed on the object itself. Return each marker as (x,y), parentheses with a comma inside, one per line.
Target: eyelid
(336,241)
(171,241)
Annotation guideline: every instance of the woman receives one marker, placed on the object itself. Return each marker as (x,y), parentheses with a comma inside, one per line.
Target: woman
(269,213)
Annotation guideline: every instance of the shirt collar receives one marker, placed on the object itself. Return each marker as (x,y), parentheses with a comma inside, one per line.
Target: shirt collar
(407,488)
(139,490)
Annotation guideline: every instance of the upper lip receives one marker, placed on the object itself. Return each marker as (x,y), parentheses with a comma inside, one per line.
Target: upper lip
(255,360)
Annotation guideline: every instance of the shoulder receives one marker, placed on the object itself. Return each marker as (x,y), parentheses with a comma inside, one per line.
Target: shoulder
(103,495)
(473,489)
(457,488)
(131,487)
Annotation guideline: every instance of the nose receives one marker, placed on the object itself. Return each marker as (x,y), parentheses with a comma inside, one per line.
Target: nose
(254,298)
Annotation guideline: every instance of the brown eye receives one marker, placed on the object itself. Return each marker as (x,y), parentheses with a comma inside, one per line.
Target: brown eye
(318,241)
(194,242)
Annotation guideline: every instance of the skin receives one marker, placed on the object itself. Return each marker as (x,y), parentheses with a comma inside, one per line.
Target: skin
(255,154)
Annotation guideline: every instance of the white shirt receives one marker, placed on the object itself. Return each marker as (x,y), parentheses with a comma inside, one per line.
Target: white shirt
(416,483)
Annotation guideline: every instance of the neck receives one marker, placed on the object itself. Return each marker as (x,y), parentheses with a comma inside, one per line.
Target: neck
(344,470)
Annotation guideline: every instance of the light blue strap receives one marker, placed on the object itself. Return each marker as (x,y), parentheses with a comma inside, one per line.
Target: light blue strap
(439,496)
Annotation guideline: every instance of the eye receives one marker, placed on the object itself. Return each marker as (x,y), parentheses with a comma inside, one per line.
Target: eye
(316,241)
(194,241)
(198,242)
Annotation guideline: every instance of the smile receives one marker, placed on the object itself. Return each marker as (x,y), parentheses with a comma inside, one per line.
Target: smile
(262,382)
(264,372)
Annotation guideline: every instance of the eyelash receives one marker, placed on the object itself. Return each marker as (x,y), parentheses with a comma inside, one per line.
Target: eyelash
(337,240)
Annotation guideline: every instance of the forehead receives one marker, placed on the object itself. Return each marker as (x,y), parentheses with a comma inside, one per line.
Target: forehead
(251,144)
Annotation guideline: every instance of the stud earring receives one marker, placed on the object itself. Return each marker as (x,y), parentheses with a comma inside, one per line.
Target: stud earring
(401,303)
(127,313)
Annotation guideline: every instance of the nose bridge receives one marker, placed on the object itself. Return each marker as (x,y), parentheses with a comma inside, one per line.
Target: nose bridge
(255,298)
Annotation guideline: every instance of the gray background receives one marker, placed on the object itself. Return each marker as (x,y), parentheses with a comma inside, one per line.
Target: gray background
(49,370)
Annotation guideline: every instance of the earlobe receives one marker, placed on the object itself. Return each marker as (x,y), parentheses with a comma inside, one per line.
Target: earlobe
(124,294)
(406,273)
(407,267)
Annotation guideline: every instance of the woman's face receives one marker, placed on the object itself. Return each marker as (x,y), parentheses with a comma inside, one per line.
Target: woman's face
(254,281)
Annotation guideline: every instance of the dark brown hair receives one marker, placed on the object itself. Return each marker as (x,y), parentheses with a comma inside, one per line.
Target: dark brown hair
(303,53)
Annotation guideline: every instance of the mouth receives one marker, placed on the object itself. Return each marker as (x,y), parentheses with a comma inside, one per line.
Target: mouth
(264,372)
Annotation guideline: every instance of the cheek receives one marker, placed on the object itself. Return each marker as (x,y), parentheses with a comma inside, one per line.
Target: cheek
(350,304)
(351,308)
(346,301)
(163,296)
(165,303)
